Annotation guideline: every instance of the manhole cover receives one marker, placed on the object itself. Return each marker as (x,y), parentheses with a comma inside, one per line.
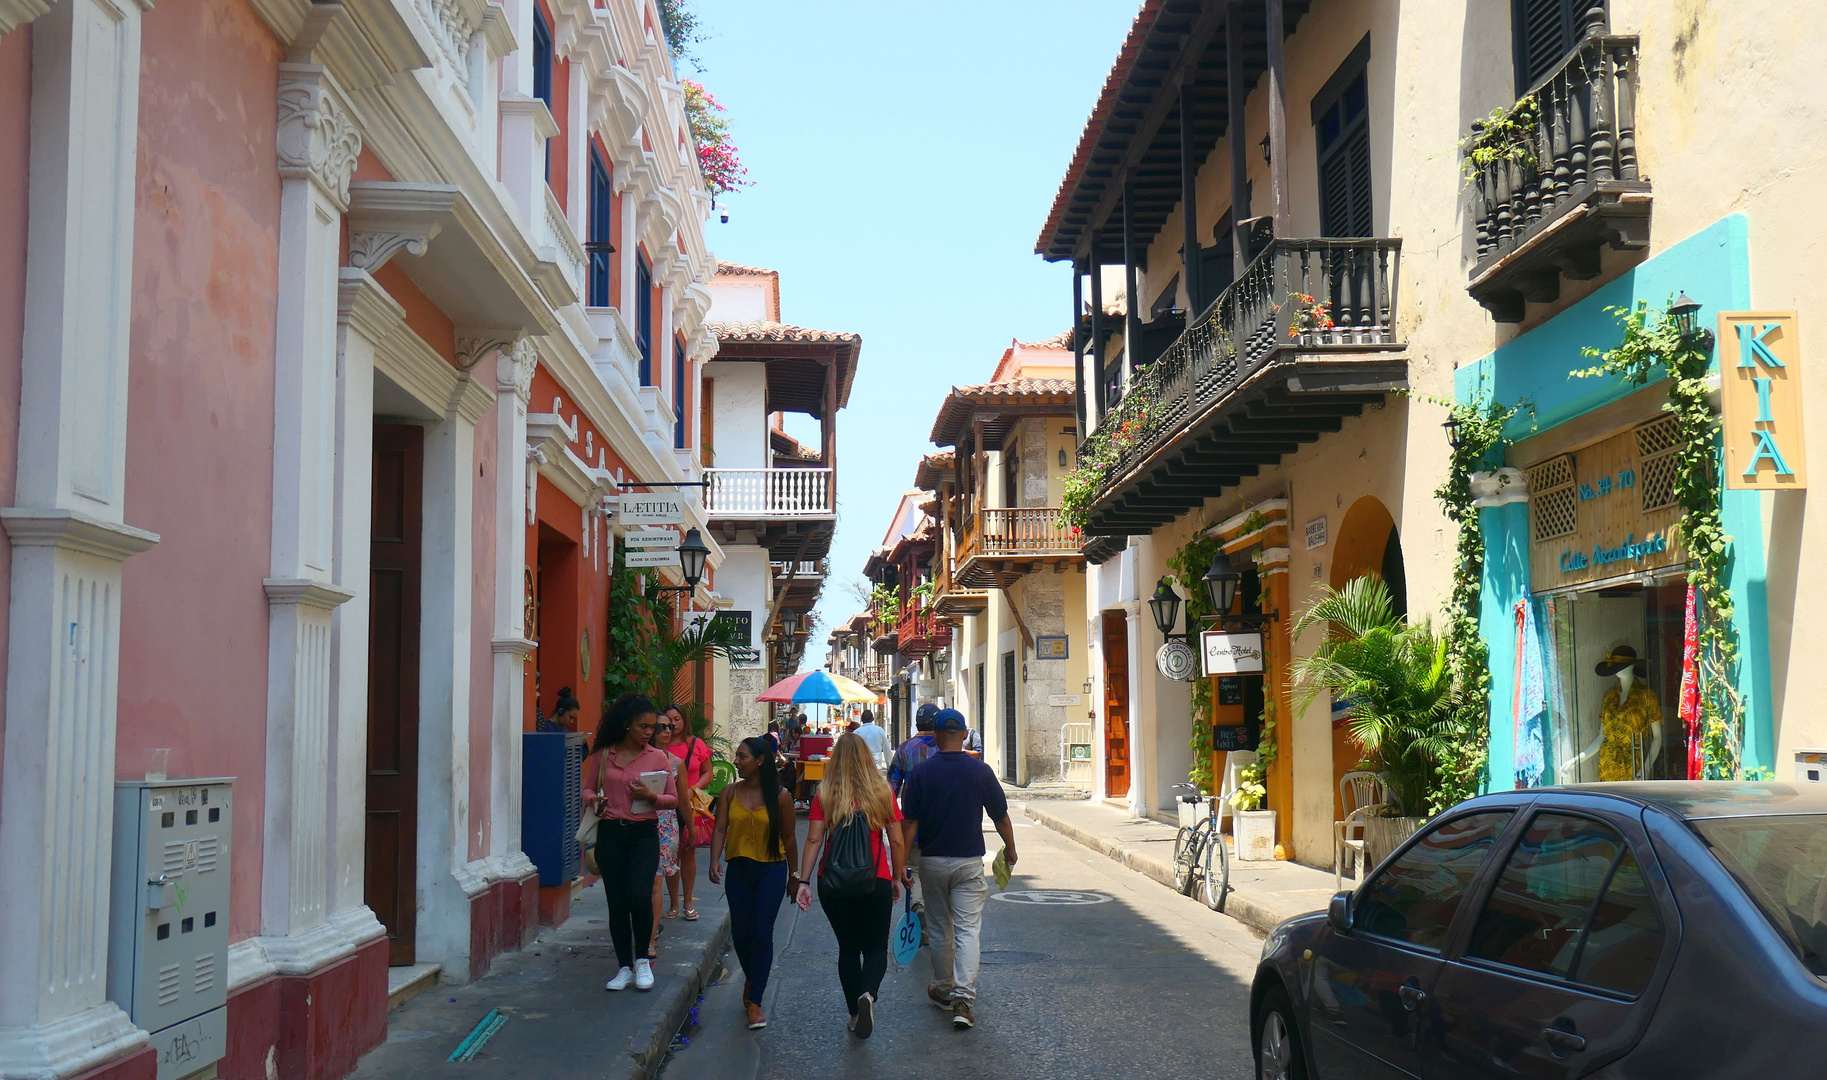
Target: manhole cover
(1011,956)
(1050,896)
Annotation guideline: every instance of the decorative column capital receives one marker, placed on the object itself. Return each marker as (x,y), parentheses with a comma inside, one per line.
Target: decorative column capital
(317,137)
(74,531)
(306,593)
(475,346)
(369,249)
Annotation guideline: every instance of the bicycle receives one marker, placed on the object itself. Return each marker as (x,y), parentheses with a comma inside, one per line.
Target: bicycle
(1202,865)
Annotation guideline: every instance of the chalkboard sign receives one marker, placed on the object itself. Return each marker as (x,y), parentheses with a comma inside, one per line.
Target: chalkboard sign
(1233,737)
(1230,690)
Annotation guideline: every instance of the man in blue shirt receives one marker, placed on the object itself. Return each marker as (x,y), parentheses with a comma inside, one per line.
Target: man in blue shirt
(944,802)
(914,750)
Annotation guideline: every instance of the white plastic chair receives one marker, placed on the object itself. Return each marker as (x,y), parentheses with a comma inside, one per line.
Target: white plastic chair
(1363,794)
(1234,761)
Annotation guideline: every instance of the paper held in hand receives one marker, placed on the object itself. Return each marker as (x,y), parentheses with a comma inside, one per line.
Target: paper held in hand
(654,779)
(999,869)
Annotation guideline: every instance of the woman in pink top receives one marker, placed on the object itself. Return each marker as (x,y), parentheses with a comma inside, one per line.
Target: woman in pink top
(696,755)
(629,784)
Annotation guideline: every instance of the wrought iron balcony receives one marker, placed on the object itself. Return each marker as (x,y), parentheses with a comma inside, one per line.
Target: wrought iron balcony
(1299,341)
(1569,188)
(876,675)
(755,494)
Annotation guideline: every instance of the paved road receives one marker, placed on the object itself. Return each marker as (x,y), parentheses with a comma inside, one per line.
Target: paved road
(1143,984)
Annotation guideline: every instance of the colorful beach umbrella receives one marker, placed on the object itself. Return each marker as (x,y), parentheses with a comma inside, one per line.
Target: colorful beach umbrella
(818,688)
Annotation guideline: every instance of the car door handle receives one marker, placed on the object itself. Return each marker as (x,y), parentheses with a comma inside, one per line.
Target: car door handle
(1562,1042)
(1412,997)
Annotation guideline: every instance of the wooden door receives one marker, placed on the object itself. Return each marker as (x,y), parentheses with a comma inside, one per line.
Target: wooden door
(1116,704)
(1010,729)
(393,685)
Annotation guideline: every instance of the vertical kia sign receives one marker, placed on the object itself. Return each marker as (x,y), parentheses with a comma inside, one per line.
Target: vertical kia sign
(1760,395)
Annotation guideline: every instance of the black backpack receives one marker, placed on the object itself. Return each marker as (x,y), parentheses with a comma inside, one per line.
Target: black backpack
(848,868)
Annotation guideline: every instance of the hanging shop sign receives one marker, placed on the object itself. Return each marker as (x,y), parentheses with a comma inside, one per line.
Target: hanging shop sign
(652,558)
(651,509)
(652,539)
(1760,394)
(1606,510)
(1175,659)
(1231,653)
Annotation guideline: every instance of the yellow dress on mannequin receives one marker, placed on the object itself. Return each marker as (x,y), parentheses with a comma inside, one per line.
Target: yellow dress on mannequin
(1622,722)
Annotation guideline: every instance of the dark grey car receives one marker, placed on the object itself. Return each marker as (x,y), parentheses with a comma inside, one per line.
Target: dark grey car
(1647,930)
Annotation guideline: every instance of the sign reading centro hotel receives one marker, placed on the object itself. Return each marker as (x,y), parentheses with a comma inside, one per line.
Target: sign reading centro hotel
(1760,395)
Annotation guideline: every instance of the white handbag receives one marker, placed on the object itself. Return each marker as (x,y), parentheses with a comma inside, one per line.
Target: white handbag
(588,821)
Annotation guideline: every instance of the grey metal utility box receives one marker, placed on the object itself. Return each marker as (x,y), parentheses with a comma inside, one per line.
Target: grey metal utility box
(168,917)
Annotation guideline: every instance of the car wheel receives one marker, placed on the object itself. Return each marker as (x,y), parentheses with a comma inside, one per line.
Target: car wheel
(1278,1055)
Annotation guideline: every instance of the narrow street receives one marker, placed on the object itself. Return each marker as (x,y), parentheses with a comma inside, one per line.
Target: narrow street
(1138,982)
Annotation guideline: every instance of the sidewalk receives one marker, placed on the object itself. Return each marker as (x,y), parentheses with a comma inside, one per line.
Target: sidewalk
(560,1022)
(1262,895)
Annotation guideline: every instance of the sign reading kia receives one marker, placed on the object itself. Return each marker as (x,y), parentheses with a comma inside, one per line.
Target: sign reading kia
(648,508)
(1230,653)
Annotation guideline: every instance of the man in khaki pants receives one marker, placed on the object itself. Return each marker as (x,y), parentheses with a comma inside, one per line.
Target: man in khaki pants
(944,801)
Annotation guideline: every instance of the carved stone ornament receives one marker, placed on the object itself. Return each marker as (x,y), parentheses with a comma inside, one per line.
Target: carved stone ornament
(317,137)
(370,250)
(514,370)
(474,346)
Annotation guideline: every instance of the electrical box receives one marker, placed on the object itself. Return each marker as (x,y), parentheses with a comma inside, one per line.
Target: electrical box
(1811,766)
(552,803)
(168,918)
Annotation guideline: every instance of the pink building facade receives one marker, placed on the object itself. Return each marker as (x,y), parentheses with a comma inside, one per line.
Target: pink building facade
(324,329)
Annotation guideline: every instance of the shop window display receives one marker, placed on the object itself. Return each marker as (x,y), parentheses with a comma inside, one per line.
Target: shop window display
(1609,685)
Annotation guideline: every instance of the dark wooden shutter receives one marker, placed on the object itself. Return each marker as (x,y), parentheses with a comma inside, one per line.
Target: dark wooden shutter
(1010,729)
(1545,32)
(643,317)
(599,245)
(1341,120)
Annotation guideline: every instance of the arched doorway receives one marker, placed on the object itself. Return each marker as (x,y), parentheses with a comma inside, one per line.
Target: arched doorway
(1368,543)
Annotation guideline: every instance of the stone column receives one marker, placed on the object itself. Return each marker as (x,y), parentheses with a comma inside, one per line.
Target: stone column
(69,540)
(513,387)
(318,145)
(1140,802)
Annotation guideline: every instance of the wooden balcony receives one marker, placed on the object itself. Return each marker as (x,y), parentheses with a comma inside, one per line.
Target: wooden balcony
(1003,544)
(1576,189)
(919,632)
(1259,374)
(952,601)
(768,494)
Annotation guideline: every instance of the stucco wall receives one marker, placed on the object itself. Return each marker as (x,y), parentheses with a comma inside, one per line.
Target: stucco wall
(200,412)
(15,146)
(739,415)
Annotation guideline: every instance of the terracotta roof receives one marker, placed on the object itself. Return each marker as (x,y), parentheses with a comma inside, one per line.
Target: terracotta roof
(795,373)
(934,470)
(1100,115)
(964,401)
(739,270)
(1061,340)
(784,332)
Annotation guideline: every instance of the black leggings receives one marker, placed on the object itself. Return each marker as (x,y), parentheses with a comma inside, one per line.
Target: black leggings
(861,926)
(628,854)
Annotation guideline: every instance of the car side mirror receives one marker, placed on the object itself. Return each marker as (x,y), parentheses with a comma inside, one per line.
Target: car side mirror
(1338,912)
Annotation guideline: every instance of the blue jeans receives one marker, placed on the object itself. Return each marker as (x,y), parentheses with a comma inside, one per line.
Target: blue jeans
(754,891)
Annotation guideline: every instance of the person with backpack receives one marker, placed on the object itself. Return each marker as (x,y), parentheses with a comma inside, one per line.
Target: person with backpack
(755,833)
(945,800)
(855,826)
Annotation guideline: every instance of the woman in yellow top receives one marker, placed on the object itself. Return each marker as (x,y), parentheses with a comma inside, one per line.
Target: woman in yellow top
(756,832)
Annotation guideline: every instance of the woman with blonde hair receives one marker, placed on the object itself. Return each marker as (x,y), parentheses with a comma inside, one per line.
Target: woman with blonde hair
(854,840)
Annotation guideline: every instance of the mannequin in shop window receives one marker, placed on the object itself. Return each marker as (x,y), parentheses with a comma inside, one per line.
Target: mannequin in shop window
(1629,713)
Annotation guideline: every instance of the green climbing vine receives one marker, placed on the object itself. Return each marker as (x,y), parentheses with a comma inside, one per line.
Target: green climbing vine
(1462,771)
(1507,134)
(1653,345)
(1188,565)
(634,609)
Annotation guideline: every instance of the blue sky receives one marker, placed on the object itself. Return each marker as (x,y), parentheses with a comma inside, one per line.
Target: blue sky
(904,158)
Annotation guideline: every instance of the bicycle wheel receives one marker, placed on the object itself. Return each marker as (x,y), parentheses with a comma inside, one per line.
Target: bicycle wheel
(1216,872)
(1186,859)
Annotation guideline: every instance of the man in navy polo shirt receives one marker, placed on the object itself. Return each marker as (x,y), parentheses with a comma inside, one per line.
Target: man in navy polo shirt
(943,802)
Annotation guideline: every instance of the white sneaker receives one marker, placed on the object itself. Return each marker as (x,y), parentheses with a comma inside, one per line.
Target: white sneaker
(643,975)
(622,979)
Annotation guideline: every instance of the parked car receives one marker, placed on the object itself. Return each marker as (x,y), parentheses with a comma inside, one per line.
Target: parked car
(1658,929)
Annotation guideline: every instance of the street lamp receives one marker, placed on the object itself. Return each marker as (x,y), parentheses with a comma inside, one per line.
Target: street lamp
(692,554)
(1165,606)
(1683,312)
(1221,582)
(789,623)
(1452,426)
(942,661)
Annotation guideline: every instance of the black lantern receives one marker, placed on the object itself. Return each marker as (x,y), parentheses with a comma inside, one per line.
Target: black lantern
(1221,583)
(1682,313)
(1265,151)
(1452,426)
(789,624)
(941,661)
(692,554)
(1165,606)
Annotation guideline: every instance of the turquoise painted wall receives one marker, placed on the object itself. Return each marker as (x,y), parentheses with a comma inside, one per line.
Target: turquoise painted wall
(1713,267)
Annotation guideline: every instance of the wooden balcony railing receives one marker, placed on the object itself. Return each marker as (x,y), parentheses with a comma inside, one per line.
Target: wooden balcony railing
(1019,530)
(1548,205)
(768,493)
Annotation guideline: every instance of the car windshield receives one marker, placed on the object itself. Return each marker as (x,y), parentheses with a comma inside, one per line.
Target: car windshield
(1782,863)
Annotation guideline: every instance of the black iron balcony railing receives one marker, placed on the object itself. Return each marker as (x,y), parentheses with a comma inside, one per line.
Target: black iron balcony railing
(1580,149)
(1351,284)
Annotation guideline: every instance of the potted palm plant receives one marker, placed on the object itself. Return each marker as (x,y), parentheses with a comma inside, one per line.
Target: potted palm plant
(1395,675)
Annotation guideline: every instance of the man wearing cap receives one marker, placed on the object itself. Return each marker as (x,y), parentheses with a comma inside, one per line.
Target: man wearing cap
(944,801)
(914,750)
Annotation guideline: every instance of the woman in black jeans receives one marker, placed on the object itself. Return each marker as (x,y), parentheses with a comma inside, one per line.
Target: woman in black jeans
(629,784)
(854,798)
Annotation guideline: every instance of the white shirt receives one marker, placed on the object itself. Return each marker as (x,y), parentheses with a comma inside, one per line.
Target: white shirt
(876,738)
